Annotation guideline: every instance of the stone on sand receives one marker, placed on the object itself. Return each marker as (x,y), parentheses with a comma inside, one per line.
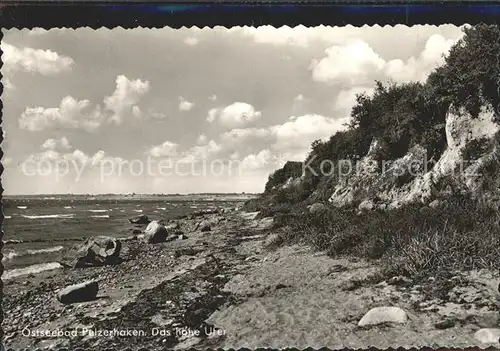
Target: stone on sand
(273,240)
(204,226)
(85,291)
(379,315)
(142,219)
(155,233)
(95,251)
(487,335)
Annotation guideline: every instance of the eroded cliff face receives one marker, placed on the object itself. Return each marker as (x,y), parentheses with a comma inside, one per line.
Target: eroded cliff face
(469,159)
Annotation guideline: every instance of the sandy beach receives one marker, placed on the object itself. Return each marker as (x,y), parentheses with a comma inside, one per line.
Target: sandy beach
(231,288)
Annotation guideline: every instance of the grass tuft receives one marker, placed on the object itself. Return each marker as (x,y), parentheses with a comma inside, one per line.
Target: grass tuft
(413,241)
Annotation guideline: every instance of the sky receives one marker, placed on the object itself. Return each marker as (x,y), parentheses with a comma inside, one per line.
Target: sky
(188,110)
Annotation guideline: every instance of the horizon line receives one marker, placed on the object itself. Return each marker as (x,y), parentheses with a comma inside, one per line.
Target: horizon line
(136,194)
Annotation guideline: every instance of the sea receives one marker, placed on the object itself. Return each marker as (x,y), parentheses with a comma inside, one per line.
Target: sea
(37,229)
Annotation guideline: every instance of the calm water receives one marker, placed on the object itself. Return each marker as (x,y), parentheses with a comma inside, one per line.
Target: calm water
(59,222)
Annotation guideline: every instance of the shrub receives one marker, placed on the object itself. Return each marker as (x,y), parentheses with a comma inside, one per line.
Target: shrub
(403,115)
(279,177)
(476,148)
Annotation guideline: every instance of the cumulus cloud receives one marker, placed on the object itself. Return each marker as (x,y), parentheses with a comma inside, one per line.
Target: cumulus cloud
(418,68)
(191,41)
(125,97)
(200,152)
(356,63)
(53,144)
(235,115)
(347,64)
(71,113)
(288,141)
(77,156)
(239,136)
(212,114)
(52,157)
(346,98)
(257,161)
(202,139)
(168,149)
(185,105)
(300,132)
(45,62)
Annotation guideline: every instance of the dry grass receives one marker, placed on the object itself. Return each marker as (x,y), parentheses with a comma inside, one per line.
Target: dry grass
(412,241)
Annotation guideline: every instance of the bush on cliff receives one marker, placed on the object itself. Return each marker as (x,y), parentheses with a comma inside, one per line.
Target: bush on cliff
(402,115)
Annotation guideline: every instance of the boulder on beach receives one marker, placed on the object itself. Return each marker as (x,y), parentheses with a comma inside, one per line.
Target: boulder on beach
(155,233)
(94,251)
(141,219)
(273,240)
(488,335)
(173,226)
(379,315)
(86,291)
(204,226)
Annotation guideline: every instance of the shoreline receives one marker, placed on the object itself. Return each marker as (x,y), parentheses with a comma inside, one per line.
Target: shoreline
(231,288)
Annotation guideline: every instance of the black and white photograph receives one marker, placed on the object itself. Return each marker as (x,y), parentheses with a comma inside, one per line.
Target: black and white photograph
(257,187)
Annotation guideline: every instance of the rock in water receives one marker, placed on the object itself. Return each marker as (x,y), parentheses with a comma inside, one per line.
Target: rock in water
(379,315)
(155,233)
(86,291)
(317,207)
(95,251)
(487,335)
(142,219)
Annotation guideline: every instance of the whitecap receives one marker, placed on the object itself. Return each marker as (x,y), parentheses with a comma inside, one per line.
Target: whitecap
(10,255)
(137,210)
(69,215)
(36,268)
(22,207)
(100,216)
(98,211)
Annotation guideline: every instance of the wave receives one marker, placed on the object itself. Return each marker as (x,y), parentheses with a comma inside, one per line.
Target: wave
(67,207)
(98,211)
(161,208)
(100,216)
(22,207)
(7,217)
(137,210)
(69,215)
(36,268)
(12,254)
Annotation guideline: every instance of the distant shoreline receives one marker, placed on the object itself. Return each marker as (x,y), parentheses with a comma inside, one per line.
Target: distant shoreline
(100,196)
